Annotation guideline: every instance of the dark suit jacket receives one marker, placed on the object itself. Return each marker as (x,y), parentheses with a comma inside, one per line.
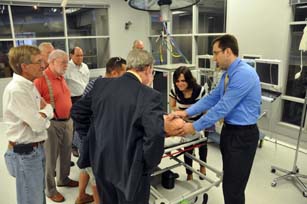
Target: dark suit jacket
(126,138)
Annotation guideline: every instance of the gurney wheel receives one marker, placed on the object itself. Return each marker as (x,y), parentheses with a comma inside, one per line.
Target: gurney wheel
(205,198)
(305,193)
(273,184)
(273,170)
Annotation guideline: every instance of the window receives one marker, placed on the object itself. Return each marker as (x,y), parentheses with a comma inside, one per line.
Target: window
(5,70)
(182,21)
(184,52)
(292,109)
(204,44)
(5,31)
(87,21)
(33,22)
(87,28)
(212,16)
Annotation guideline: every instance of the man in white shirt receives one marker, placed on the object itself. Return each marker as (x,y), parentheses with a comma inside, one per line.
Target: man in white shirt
(77,77)
(27,116)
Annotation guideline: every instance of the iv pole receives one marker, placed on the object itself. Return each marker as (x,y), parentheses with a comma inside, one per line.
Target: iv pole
(293,174)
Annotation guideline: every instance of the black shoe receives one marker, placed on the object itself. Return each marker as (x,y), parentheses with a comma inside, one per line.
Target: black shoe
(72,163)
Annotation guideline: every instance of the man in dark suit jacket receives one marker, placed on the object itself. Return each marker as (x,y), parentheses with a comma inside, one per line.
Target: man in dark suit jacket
(124,118)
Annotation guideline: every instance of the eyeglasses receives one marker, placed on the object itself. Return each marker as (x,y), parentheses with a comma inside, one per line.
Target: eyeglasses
(40,62)
(217,52)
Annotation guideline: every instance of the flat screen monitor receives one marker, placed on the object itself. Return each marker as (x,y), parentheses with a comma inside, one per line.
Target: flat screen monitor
(269,72)
(251,56)
(206,61)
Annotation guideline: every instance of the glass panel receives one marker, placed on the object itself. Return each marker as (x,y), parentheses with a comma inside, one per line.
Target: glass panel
(58,44)
(158,51)
(182,21)
(212,16)
(204,44)
(185,46)
(295,86)
(300,12)
(292,112)
(95,51)
(87,21)
(5,70)
(156,25)
(31,22)
(5,28)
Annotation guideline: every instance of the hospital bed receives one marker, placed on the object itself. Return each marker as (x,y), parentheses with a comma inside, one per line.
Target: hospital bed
(184,192)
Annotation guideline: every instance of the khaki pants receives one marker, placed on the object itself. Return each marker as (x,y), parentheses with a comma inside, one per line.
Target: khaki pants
(58,154)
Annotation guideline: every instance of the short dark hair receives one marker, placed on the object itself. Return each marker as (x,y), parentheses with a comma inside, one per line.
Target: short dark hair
(72,51)
(189,78)
(227,41)
(115,63)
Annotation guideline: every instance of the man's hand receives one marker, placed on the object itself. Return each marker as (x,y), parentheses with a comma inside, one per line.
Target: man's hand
(173,125)
(181,114)
(189,128)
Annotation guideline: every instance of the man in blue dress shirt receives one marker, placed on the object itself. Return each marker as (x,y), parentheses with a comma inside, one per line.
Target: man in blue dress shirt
(237,100)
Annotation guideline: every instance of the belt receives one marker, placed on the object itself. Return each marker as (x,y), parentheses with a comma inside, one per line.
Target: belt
(60,119)
(230,126)
(11,145)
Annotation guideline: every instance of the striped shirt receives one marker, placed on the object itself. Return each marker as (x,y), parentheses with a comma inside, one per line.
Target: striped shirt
(183,103)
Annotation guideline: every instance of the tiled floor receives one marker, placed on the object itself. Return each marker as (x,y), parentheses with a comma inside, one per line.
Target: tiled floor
(259,190)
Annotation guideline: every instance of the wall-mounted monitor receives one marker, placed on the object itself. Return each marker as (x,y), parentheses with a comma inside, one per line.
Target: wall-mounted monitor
(206,62)
(269,72)
(251,56)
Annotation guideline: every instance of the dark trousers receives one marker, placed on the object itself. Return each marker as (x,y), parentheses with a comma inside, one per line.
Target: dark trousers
(109,194)
(238,147)
(74,99)
(203,151)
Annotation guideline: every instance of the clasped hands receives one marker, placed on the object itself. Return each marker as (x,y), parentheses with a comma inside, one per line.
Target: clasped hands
(174,124)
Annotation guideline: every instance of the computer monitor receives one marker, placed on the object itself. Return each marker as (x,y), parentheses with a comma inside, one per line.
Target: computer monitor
(269,73)
(206,62)
(251,56)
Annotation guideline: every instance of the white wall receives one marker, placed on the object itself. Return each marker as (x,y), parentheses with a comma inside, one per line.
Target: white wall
(262,26)
(120,39)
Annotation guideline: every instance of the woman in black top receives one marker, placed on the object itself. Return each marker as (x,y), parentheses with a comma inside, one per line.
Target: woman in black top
(186,92)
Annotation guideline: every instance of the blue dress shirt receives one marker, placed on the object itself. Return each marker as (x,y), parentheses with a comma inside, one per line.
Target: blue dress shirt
(238,105)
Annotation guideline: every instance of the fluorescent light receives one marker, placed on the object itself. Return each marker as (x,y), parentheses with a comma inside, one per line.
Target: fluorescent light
(178,12)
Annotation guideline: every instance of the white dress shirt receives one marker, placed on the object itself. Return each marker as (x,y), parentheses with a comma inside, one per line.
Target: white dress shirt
(77,77)
(21,112)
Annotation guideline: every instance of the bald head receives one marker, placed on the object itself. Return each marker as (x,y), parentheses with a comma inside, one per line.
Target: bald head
(138,44)
(76,55)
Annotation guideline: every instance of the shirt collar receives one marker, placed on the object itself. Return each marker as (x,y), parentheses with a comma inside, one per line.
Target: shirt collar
(78,66)
(233,66)
(136,75)
(21,79)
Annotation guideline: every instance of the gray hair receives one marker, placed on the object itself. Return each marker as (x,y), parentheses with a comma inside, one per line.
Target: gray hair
(43,45)
(56,54)
(139,59)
